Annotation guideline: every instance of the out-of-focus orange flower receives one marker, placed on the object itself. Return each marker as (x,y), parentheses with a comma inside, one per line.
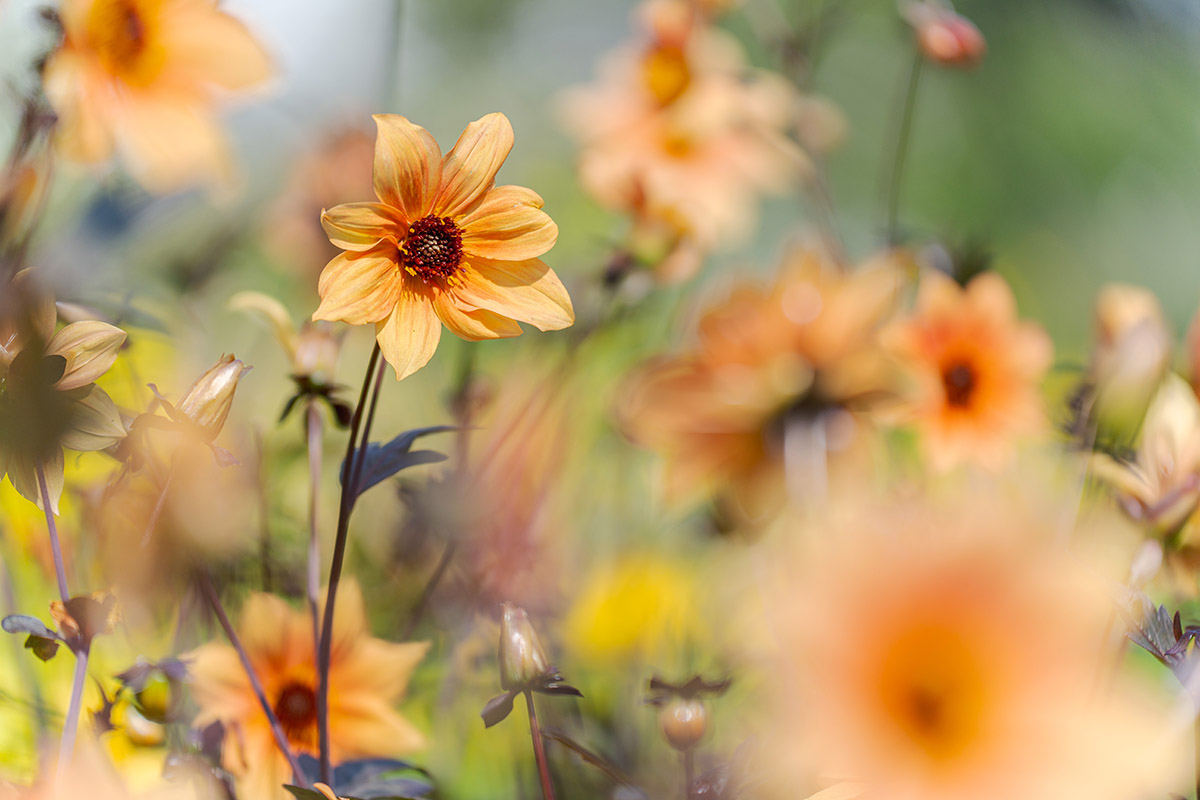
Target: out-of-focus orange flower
(949,653)
(139,77)
(975,370)
(680,132)
(48,396)
(767,359)
(367,676)
(444,245)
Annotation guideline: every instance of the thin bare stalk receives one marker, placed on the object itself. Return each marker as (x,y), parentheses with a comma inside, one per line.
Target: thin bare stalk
(350,472)
(314,542)
(427,593)
(60,569)
(152,523)
(214,600)
(689,773)
(539,750)
(895,179)
(66,747)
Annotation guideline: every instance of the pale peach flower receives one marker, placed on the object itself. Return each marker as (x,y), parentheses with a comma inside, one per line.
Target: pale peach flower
(141,77)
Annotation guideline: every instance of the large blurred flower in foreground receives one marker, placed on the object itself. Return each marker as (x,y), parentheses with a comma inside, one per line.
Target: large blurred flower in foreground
(48,398)
(946,654)
(366,677)
(138,77)
(443,245)
(771,364)
(975,370)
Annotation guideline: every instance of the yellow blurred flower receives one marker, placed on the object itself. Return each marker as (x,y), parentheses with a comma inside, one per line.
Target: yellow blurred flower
(946,653)
(975,370)
(443,245)
(641,607)
(140,77)
(367,676)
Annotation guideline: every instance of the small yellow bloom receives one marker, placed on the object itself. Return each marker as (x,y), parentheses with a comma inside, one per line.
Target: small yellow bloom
(443,245)
(366,677)
(138,77)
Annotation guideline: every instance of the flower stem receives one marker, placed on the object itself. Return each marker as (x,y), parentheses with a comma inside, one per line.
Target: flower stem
(689,773)
(539,749)
(66,747)
(423,601)
(214,600)
(351,470)
(314,543)
(56,547)
(903,135)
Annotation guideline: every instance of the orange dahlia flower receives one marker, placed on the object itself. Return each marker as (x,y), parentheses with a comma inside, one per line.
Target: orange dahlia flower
(975,369)
(137,76)
(366,676)
(444,245)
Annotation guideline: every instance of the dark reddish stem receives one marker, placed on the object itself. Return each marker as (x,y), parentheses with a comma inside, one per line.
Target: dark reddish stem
(539,749)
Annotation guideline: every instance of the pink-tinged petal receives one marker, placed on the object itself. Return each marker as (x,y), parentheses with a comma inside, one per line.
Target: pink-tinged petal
(409,337)
(90,348)
(209,46)
(81,97)
(408,166)
(508,225)
(473,324)
(360,288)
(360,226)
(470,168)
(527,290)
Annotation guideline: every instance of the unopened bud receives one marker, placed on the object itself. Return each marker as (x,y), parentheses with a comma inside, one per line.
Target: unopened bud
(945,37)
(522,658)
(1131,355)
(683,722)
(209,399)
(317,349)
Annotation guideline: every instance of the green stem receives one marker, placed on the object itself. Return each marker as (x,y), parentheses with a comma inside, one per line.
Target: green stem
(903,135)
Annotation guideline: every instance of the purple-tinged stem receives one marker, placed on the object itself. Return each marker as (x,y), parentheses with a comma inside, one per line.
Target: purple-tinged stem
(539,750)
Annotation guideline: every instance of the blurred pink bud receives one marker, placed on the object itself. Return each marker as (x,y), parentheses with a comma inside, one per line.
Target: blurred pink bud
(944,36)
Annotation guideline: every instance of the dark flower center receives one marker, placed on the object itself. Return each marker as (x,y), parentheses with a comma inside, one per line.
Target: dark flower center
(296,709)
(120,30)
(432,250)
(959,381)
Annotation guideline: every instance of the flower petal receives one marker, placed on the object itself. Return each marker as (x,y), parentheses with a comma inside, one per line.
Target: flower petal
(170,141)
(209,46)
(359,288)
(359,226)
(470,168)
(408,166)
(527,290)
(409,337)
(275,315)
(509,224)
(95,423)
(22,471)
(473,324)
(78,92)
(90,348)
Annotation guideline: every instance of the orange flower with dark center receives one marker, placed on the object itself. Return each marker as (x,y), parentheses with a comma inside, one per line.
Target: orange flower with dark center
(444,245)
(975,370)
(138,76)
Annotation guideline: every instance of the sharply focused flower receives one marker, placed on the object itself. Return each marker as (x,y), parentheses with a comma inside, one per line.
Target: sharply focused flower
(939,654)
(770,362)
(367,676)
(140,77)
(48,398)
(444,245)
(975,370)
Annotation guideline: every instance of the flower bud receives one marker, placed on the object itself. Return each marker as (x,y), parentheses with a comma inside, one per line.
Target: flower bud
(317,350)
(683,722)
(1131,355)
(945,37)
(522,658)
(209,399)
